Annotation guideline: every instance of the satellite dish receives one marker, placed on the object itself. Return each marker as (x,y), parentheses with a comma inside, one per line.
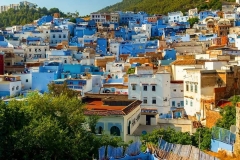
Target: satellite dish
(144,132)
(233,129)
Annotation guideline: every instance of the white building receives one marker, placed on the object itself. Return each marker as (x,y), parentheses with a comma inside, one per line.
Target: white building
(148,29)
(116,69)
(194,89)
(176,94)
(152,90)
(179,66)
(176,17)
(58,35)
(114,48)
(34,51)
(62,56)
(142,38)
(10,85)
(100,17)
(192,92)
(193,13)
(26,80)
(16,6)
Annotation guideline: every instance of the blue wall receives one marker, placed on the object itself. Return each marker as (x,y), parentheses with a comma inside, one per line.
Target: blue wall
(170,54)
(102,45)
(131,48)
(41,80)
(215,145)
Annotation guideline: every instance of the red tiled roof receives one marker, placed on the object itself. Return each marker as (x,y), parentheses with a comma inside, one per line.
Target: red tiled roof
(224,103)
(188,62)
(97,107)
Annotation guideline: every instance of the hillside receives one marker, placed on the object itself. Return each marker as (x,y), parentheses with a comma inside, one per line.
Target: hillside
(25,15)
(163,6)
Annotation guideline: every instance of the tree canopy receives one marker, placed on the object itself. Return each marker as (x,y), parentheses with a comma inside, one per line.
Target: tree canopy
(48,127)
(163,6)
(228,114)
(25,15)
(172,136)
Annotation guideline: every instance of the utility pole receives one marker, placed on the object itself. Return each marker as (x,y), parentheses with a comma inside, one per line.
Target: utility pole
(199,137)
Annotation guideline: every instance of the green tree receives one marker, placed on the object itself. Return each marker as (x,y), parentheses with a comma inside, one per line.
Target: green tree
(228,114)
(192,21)
(59,89)
(205,138)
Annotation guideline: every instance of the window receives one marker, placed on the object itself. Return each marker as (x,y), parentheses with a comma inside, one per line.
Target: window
(186,102)
(173,103)
(17,88)
(187,87)
(133,87)
(64,36)
(191,103)
(174,90)
(145,100)
(53,36)
(30,50)
(195,88)
(153,88)
(145,88)
(154,100)
(100,129)
(191,88)
(60,36)
(182,103)
(115,131)
(13,88)
(26,80)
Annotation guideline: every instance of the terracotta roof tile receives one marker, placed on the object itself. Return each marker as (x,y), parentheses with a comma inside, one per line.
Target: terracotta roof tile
(97,107)
(188,62)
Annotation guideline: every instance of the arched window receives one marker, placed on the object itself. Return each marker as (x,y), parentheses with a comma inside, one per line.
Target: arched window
(115,131)
(100,129)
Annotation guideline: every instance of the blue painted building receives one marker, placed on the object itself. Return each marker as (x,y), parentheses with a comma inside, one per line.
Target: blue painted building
(46,74)
(222,139)
(157,30)
(204,14)
(169,32)
(169,54)
(101,46)
(44,19)
(125,17)
(28,28)
(207,37)
(80,31)
(75,70)
(33,40)
(131,48)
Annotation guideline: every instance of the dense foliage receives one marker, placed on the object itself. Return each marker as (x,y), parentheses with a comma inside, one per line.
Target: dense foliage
(163,6)
(228,114)
(49,127)
(177,137)
(25,15)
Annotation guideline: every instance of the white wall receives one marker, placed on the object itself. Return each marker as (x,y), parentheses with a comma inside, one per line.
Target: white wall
(96,83)
(214,65)
(114,48)
(161,81)
(36,51)
(176,94)
(192,100)
(178,71)
(26,80)
(15,88)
